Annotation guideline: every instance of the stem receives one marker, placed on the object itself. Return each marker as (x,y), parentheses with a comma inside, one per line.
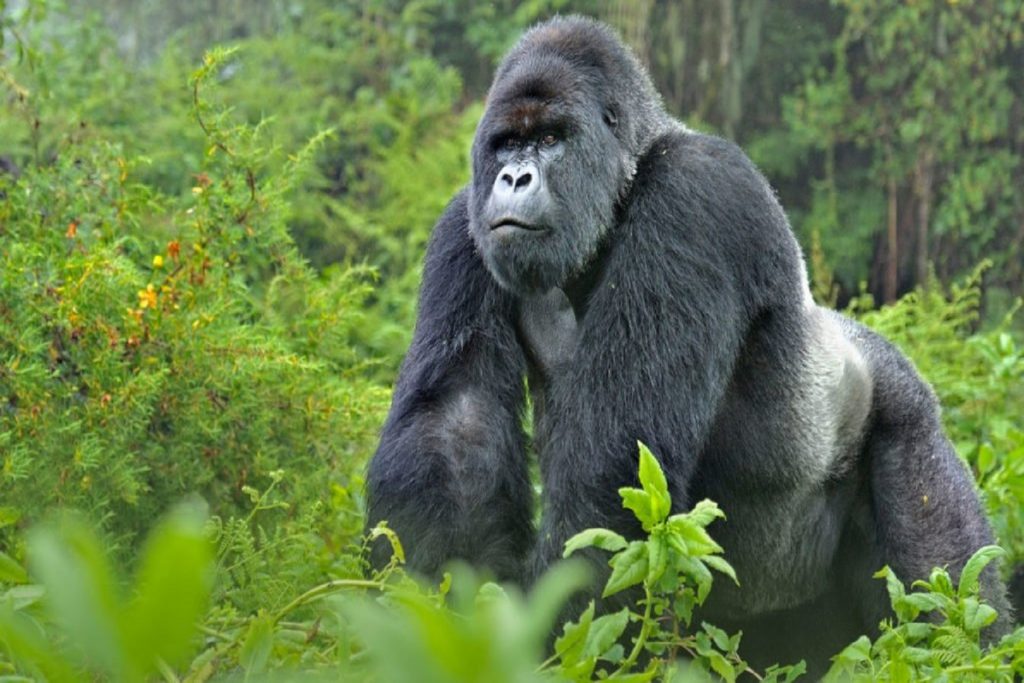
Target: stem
(324,590)
(166,671)
(546,663)
(641,639)
(213,633)
(985,668)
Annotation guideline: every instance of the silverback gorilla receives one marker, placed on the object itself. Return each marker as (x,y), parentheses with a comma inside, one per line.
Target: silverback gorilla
(646,282)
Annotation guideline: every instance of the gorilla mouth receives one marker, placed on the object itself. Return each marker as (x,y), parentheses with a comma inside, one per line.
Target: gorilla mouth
(510,226)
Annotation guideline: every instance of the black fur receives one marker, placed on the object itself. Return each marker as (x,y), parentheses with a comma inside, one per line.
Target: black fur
(650,287)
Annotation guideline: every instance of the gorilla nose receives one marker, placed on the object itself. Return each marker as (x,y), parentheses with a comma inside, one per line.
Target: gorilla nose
(521,179)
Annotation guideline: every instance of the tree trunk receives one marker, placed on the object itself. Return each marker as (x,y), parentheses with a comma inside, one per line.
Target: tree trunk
(924,174)
(891,281)
(631,17)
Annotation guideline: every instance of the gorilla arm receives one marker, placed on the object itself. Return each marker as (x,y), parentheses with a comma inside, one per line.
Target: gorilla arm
(450,474)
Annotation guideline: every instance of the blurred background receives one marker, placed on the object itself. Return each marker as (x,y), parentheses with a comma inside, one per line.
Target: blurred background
(892,130)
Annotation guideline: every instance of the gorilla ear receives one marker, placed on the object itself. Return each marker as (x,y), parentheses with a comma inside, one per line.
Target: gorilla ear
(610,119)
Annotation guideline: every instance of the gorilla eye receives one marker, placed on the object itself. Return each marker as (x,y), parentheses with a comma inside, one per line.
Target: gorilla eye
(510,143)
(549,140)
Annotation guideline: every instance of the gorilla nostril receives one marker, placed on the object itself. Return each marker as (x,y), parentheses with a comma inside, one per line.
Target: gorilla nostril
(507,179)
(522,181)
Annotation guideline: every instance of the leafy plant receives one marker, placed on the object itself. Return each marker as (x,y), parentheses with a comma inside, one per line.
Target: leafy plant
(946,647)
(673,567)
(77,617)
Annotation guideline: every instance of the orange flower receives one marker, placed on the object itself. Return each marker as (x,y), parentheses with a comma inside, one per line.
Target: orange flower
(173,249)
(72,230)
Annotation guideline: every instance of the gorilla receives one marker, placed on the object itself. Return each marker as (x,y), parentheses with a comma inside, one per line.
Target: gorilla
(640,281)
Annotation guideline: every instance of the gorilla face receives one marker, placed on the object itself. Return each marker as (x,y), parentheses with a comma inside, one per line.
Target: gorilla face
(548,172)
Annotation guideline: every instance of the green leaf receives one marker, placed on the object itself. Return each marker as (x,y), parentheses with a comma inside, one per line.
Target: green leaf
(23,638)
(604,539)
(80,590)
(657,555)
(719,636)
(629,567)
(173,584)
(854,653)
(897,594)
(977,615)
(640,503)
(11,571)
(698,541)
(696,570)
(653,481)
(20,597)
(719,564)
(926,602)
(703,513)
(569,647)
(605,631)
(970,576)
(721,666)
(259,642)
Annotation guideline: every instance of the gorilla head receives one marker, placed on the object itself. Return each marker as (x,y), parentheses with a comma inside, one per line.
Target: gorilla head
(569,113)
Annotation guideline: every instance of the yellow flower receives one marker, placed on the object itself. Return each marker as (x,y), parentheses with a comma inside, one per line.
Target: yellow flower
(158,261)
(147,297)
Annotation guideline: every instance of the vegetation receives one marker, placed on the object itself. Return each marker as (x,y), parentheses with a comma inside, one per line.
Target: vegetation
(208,268)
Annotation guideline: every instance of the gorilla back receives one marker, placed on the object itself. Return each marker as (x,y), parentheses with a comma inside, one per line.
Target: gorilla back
(646,281)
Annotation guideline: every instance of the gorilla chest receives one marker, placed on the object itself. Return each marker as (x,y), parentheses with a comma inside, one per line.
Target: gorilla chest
(548,330)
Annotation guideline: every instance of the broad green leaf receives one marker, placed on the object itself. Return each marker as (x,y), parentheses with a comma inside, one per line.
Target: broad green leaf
(917,655)
(11,571)
(569,647)
(258,643)
(80,590)
(20,597)
(703,513)
(970,576)
(604,539)
(22,637)
(897,592)
(721,666)
(698,541)
(697,571)
(173,584)
(629,568)
(719,564)
(605,631)
(652,479)
(719,636)
(917,630)
(854,653)
(977,615)
(549,593)
(657,555)
(640,503)
(926,602)
(986,458)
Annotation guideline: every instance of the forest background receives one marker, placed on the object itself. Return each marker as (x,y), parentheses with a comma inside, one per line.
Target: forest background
(212,218)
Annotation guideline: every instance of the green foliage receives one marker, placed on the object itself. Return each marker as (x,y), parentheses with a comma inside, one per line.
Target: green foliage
(122,635)
(673,566)
(925,94)
(947,647)
(153,346)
